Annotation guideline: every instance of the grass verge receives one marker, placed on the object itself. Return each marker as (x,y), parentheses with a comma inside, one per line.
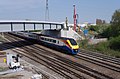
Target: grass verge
(102,47)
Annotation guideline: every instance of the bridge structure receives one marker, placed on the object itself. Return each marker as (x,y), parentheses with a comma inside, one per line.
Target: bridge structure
(26,25)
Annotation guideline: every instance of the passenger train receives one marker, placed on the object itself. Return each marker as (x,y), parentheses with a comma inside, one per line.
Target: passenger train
(67,45)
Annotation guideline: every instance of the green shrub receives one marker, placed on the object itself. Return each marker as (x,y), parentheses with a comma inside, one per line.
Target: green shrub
(101,46)
(114,43)
(83,43)
(104,47)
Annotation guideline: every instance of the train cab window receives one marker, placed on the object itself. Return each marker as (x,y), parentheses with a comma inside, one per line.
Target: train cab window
(72,41)
(54,41)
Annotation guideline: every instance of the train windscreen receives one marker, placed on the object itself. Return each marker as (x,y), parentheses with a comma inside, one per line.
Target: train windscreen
(73,42)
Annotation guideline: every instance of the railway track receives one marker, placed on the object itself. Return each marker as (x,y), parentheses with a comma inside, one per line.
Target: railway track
(101,57)
(93,60)
(61,69)
(38,60)
(33,57)
(75,66)
(61,62)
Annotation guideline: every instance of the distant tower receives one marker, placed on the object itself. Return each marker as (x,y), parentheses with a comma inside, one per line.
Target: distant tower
(47,12)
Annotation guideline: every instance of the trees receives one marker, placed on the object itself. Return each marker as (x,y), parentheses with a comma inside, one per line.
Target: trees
(114,29)
(94,28)
(115,24)
(114,43)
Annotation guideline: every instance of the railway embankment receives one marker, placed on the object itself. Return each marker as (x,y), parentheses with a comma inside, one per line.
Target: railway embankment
(99,46)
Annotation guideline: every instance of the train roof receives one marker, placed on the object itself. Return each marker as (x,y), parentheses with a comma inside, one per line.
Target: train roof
(64,38)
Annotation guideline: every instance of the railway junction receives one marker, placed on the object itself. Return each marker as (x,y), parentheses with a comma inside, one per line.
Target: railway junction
(37,60)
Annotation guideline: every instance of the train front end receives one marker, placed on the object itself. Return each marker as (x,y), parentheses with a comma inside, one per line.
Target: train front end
(73,46)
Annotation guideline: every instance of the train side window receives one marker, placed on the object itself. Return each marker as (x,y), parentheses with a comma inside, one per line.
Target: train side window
(58,42)
(50,40)
(54,41)
(47,39)
(42,38)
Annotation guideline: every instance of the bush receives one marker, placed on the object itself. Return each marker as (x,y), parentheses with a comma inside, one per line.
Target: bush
(83,43)
(106,32)
(114,43)
(101,46)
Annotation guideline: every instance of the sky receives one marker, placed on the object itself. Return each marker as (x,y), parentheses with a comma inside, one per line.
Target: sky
(88,10)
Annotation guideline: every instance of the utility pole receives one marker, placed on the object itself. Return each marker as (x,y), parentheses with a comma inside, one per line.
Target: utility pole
(47,12)
(66,22)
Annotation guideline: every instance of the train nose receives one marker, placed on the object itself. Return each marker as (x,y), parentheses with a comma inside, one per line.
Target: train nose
(75,51)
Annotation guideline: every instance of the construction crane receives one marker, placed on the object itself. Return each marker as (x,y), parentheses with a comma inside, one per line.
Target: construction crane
(74,16)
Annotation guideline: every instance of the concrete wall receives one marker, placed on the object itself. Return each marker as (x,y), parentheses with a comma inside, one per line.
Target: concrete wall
(95,41)
(70,34)
(63,33)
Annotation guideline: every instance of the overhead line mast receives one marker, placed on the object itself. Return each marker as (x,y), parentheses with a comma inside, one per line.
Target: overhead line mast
(47,12)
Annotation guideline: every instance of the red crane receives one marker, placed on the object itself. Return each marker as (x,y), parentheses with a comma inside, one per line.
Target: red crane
(74,16)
